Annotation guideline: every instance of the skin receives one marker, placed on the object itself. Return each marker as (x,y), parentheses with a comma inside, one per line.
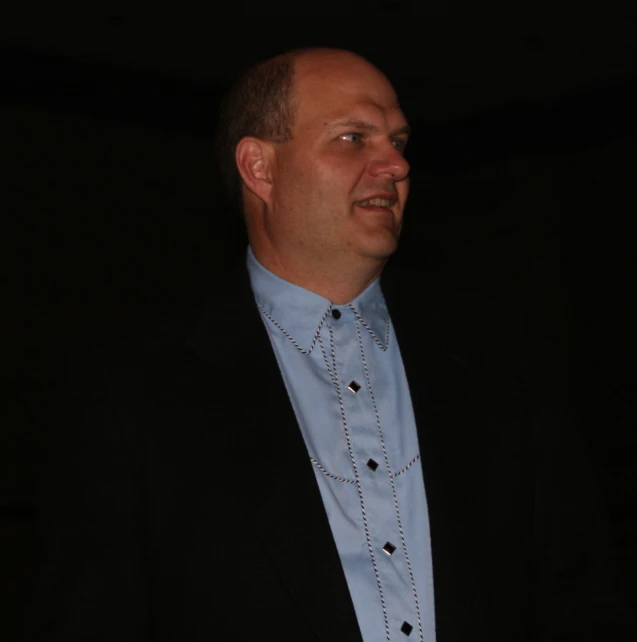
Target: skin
(303,199)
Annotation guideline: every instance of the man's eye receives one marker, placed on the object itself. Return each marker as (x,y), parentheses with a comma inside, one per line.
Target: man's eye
(400,145)
(353,137)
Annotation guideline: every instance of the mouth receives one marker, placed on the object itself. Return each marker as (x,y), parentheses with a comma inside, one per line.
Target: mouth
(379,204)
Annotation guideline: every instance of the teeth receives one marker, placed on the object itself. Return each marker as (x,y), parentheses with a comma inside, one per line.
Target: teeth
(378,202)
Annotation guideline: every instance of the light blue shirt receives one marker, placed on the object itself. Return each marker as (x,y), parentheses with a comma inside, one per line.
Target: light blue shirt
(346,381)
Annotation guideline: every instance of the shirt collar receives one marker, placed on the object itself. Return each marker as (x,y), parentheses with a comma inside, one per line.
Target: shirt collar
(300,314)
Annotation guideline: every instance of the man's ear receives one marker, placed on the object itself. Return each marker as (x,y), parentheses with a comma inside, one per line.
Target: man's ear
(253,157)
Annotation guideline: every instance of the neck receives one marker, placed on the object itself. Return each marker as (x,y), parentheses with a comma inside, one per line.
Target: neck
(339,282)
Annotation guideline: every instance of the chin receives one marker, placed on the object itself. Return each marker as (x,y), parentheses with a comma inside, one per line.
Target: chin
(380,250)
(376,242)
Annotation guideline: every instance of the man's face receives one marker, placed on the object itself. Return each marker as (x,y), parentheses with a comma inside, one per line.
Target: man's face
(340,185)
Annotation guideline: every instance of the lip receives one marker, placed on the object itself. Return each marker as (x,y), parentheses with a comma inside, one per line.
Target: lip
(375,209)
(392,197)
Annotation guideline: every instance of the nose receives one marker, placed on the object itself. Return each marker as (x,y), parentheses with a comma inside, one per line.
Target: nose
(390,163)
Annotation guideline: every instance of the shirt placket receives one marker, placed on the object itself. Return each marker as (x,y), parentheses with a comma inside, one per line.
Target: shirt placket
(369,460)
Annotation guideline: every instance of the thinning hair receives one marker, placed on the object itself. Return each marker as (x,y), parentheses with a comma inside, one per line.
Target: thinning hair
(259,104)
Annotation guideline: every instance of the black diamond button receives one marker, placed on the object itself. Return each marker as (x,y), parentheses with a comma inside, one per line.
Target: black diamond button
(336,314)
(406,628)
(372,464)
(389,548)
(354,387)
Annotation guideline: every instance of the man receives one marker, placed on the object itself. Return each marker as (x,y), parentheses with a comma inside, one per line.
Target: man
(309,463)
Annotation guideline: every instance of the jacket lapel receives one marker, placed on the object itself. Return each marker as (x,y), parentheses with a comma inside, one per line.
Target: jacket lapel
(279,486)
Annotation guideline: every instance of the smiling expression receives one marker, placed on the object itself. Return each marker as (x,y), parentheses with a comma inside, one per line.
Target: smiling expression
(340,185)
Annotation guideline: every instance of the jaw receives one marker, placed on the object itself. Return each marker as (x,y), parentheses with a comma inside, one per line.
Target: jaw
(376,234)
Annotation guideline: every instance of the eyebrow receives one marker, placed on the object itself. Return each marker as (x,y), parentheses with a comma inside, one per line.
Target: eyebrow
(368,127)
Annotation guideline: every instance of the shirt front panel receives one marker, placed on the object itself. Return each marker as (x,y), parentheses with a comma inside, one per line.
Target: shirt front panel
(348,388)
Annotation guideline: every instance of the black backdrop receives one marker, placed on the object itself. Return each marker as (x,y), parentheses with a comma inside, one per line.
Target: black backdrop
(111,216)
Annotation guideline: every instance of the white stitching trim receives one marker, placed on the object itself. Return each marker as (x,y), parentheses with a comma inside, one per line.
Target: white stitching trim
(376,339)
(320,325)
(358,485)
(407,467)
(296,345)
(391,481)
(341,479)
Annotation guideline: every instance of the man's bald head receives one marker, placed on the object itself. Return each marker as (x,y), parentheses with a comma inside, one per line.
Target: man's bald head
(262,104)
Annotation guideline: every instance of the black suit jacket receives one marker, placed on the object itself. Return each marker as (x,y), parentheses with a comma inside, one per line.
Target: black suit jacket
(180,504)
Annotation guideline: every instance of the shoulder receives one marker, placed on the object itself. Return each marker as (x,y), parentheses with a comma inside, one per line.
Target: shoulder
(494,340)
(131,363)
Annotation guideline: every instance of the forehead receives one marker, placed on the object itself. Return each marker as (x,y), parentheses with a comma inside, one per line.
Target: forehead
(343,86)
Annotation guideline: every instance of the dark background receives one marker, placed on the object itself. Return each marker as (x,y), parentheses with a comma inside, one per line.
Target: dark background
(522,191)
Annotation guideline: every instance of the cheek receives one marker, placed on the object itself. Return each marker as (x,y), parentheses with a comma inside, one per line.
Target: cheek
(320,179)
(339,169)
